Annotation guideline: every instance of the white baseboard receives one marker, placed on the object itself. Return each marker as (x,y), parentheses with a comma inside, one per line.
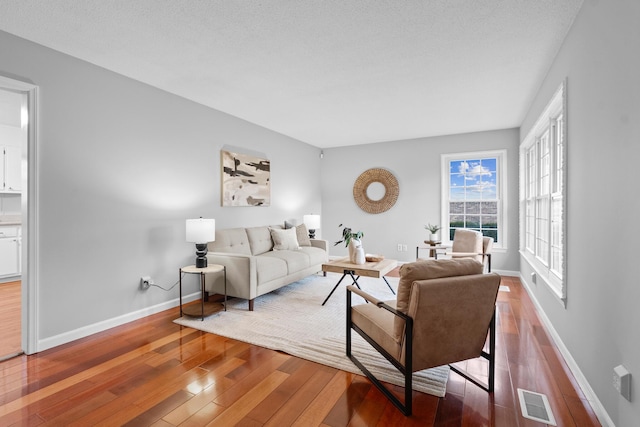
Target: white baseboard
(591,396)
(47,343)
(7,279)
(507,273)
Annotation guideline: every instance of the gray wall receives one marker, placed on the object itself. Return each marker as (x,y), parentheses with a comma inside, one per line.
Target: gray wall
(600,324)
(416,165)
(122,165)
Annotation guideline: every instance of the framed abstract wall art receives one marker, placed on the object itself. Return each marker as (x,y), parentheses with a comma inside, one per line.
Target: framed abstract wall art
(246,180)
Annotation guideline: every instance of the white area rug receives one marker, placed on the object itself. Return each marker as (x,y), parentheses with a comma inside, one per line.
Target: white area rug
(293,320)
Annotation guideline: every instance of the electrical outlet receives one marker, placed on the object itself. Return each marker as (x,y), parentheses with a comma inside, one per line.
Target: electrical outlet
(622,381)
(404,248)
(399,247)
(145,282)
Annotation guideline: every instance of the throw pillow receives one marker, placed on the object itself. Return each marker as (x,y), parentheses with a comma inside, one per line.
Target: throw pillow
(303,235)
(284,240)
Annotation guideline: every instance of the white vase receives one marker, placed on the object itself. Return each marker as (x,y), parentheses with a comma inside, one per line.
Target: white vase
(356,253)
(434,237)
(360,257)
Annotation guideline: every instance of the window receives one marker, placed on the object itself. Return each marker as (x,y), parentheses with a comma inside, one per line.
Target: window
(473,189)
(542,208)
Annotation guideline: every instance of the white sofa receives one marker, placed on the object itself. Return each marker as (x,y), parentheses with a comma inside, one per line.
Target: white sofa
(256,265)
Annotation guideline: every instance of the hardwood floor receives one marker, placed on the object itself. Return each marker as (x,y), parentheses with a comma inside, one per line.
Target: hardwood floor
(10,322)
(152,372)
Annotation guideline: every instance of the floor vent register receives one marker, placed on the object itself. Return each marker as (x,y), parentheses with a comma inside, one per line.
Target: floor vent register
(535,406)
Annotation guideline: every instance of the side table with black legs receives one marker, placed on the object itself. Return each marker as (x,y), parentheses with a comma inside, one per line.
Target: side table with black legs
(433,246)
(205,308)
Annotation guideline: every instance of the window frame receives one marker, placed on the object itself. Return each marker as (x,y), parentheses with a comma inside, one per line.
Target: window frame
(501,192)
(548,260)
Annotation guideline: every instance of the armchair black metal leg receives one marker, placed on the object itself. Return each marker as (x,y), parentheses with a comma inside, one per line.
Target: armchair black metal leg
(406,408)
(490,356)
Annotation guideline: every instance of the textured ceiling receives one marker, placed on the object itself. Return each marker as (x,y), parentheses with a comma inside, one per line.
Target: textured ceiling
(326,72)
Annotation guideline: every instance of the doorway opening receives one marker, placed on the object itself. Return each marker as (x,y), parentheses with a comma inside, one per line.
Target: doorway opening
(17,217)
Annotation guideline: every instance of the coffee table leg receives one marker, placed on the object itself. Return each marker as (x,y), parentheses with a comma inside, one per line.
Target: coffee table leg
(355,279)
(334,288)
(385,280)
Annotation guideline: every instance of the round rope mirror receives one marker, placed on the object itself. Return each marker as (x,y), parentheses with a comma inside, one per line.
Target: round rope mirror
(373,176)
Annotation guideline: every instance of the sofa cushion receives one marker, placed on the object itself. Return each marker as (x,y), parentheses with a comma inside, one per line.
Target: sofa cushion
(316,255)
(295,260)
(259,240)
(284,240)
(231,240)
(424,270)
(270,268)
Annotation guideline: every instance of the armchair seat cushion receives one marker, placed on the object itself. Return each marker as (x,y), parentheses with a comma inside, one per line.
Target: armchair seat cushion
(378,324)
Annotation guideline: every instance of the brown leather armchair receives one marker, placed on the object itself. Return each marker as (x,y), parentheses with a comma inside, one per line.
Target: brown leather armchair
(443,312)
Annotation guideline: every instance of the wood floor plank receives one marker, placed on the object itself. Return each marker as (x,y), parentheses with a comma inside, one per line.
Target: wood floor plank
(293,408)
(370,409)
(150,393)
(249,400)
(245,383)
(10,318)
(218,385)
(64,383)
(319,408)
(296,380)
(342,412)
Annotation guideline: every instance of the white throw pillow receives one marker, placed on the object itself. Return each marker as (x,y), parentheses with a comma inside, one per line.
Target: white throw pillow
(284,240)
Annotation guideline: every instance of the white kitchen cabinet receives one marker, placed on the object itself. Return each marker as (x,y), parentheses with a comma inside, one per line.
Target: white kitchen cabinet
(10,264)
(10,169)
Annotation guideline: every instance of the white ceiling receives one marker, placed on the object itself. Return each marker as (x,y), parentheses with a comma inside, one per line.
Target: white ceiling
(326,72)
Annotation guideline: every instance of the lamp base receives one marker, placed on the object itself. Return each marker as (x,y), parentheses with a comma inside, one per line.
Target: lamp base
(312,234)
(201,252)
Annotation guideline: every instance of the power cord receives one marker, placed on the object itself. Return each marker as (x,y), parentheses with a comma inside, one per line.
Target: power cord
(172,286)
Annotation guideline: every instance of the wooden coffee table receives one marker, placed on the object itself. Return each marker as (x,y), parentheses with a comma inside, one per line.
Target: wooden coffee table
(369,269)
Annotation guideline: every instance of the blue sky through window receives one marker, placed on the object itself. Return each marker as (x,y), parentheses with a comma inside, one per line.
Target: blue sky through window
(473,179)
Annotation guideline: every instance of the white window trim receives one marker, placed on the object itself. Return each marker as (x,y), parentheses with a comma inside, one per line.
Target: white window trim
(501,167)
(555,107)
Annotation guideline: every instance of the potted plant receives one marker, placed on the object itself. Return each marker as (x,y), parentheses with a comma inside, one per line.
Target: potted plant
(433,229)
(352,241)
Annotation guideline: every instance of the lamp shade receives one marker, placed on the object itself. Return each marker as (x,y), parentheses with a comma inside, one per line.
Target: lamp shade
(201,230)
(312,221)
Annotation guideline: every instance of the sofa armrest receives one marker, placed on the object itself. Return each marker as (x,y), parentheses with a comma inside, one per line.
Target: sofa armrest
(241,270)
(319,243)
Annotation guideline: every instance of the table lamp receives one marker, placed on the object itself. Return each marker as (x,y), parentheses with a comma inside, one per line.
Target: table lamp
(201,231)
(312,222)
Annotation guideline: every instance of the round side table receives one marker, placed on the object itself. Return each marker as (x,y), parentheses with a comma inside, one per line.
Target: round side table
(206,308)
